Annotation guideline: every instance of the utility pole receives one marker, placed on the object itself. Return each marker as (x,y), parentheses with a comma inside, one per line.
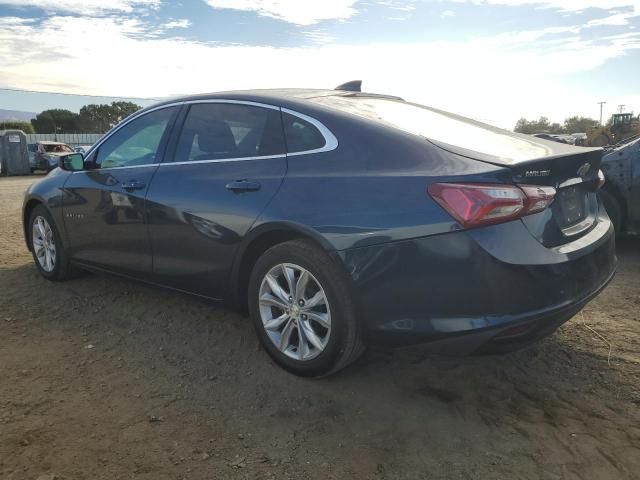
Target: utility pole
(621,108)
(601,105)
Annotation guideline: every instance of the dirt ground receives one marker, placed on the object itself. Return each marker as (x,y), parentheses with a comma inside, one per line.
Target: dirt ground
(101,378)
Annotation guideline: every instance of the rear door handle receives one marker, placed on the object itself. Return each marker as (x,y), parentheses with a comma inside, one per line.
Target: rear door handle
(132,185)
(243,186)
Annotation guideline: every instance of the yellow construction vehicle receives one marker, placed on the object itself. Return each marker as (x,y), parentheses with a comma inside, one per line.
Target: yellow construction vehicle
(620,127)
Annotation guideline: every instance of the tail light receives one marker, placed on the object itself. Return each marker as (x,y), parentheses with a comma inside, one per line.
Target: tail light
(476,204)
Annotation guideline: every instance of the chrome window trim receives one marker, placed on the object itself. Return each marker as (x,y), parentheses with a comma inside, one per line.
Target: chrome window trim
(330,141)
(236,102)
(223,160)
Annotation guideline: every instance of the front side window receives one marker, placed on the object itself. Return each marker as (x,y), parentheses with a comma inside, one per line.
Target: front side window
(301,135)
(214,131)
(137,143)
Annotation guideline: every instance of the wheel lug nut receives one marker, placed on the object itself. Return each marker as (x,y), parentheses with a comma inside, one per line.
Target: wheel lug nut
(301,302)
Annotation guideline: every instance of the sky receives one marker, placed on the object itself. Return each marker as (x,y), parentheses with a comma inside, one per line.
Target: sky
(492,60)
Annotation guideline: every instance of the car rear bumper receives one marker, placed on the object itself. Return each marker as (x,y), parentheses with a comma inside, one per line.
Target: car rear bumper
(463,291)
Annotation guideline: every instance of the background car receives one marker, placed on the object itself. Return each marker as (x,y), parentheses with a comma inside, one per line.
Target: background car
(339,219)
(47,153)
(621,192)
(555,138)
(32,148)
(82,149)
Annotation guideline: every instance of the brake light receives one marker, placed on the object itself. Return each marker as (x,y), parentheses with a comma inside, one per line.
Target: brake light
(473,204)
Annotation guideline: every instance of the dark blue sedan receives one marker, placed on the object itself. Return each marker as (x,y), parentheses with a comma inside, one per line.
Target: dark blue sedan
(340,219)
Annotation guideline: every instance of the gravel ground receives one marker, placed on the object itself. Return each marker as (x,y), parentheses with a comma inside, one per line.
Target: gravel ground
(104,378)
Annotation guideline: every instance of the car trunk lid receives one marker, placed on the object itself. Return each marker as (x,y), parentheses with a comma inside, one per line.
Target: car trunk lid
(572,171)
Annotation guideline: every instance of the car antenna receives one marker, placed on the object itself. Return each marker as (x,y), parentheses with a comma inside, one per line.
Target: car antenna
(352,86)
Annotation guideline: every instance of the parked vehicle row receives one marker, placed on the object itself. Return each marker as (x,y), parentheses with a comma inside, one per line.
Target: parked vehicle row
(339,219)
(621,192)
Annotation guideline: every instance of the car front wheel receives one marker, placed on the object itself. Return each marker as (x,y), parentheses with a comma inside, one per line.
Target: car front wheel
(46,246)
(300,303)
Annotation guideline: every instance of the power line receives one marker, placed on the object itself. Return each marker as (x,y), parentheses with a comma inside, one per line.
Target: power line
(22,90)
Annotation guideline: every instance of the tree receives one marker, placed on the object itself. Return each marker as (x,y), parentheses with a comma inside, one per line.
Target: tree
(55,121)
(26,127)
(579,124)
(96,118)
(535,126)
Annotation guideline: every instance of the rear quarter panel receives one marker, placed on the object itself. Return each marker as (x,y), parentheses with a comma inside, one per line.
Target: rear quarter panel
(373,187)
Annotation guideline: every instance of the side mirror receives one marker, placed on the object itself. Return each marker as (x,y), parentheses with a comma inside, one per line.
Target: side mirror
(72,162)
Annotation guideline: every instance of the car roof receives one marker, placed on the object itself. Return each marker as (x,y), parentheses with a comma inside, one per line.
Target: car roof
(49,142)
(276,96)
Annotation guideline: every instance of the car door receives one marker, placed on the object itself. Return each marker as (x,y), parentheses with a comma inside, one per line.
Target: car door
(103,204)
(228,162)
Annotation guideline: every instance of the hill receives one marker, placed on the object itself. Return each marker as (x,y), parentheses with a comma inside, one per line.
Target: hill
(18,115)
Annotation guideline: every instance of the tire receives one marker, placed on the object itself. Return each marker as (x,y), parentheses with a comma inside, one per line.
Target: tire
(61,268)
(341,343)
(613,209)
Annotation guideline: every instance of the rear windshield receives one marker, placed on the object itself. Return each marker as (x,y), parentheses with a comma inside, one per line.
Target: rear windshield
(441,126)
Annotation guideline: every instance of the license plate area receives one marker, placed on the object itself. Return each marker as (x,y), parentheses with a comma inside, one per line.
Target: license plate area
(573,207)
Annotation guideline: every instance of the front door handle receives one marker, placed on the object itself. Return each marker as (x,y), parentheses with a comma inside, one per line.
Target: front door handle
(243,186)
(132,185)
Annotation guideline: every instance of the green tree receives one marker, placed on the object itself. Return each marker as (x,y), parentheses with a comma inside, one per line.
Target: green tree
(26,127)
(533,126)
(55,121)
(538,126)
(577,124)
(96,118)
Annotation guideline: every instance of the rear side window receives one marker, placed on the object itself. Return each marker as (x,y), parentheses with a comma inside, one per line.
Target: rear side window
(214,131)
(301,135)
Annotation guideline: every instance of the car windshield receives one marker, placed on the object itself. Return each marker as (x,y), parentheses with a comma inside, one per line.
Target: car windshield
(57,148)
(440,126)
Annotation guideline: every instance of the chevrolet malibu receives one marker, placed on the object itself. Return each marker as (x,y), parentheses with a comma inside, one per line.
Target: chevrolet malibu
(339,219)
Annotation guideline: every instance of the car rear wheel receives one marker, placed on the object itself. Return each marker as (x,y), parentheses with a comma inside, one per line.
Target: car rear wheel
(303,313)
(46,246)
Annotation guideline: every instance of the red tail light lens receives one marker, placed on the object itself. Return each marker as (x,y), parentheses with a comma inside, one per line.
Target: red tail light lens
(474,204)
(538,198)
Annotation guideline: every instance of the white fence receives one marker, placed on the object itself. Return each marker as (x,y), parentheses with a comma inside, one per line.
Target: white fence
(71,139)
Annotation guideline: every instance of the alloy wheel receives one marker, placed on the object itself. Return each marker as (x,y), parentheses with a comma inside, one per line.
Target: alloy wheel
(295,312)
(44,244)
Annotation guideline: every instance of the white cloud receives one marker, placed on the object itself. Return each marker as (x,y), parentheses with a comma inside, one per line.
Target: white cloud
(181,23)
(293,11)
(563,5)
(318,36)
(499,78)
(448,13)
(83,7)
(403,5)
(617,19)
